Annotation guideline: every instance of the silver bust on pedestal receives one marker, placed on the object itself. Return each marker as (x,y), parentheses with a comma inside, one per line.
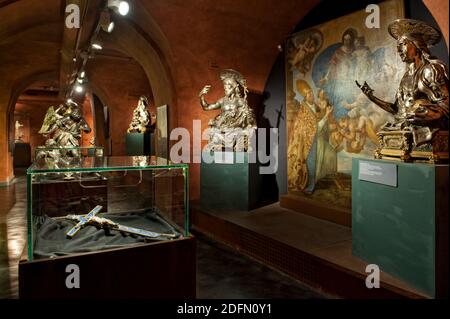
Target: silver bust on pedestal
(420,129)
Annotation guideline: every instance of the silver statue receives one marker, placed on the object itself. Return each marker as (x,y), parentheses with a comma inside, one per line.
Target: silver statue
(18,132)
(420,129)
(236,122)
(62,128)
(142,119)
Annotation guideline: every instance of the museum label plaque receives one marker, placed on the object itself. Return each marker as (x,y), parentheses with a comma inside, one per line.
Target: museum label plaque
(377,172)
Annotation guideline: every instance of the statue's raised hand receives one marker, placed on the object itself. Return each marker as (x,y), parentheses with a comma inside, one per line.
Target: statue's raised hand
(365,88)
(205,90)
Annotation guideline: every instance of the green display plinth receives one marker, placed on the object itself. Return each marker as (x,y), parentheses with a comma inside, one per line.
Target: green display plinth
(231,184)
(404,228)
(138,144)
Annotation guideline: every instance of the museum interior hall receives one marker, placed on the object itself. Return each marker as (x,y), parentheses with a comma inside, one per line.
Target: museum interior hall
(215,149)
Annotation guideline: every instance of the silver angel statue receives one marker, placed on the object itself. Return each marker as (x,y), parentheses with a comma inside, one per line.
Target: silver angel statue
(62,128)
(420,129)
(231,129)
(142,119)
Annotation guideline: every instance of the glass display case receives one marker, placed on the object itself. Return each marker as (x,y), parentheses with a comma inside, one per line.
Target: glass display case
(90,204)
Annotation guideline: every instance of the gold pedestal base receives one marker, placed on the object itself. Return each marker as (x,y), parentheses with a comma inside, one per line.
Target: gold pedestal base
(398,145)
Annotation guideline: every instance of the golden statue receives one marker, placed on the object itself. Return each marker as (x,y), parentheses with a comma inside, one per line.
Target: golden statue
(420,129)
(233,126)
(141,117)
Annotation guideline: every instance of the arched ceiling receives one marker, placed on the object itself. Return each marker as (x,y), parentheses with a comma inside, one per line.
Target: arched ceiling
(30,40)
(180,44)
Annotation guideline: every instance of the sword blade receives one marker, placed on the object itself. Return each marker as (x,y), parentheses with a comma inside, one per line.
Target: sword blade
(141,232)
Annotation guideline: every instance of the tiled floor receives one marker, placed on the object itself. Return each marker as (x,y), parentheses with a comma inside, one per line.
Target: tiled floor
(221,272)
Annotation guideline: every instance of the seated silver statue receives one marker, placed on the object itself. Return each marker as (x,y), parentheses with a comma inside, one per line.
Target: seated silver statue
(230,130)
(141,121)
(420,129)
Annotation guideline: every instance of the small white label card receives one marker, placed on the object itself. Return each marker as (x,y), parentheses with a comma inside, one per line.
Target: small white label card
(378,172)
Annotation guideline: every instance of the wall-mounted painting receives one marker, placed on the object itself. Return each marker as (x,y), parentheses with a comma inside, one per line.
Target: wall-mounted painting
(329,120)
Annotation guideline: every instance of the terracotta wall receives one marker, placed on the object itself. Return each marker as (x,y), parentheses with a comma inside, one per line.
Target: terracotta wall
(439,10)
(29,51)
(215,35)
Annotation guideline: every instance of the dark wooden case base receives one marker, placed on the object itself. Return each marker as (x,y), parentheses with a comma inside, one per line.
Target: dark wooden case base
(156,270)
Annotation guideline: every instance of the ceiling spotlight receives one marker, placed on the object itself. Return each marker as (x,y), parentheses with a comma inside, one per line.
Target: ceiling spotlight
(97,45)
(79,88)
(105,21)
(110,27)
(82,80)
(122,7)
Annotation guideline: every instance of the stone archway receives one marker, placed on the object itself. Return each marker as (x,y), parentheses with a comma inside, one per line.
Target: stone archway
(16,91)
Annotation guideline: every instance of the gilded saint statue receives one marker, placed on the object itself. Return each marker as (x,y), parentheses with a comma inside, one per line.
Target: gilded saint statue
(420,129)
(142,119)
(231,129)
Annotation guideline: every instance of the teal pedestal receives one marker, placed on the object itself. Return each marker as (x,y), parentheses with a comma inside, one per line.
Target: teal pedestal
(138,144)
(404,229)
(231,186)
